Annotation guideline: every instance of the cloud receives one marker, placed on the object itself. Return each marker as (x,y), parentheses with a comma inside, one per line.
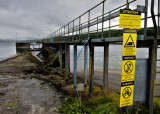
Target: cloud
(39,18)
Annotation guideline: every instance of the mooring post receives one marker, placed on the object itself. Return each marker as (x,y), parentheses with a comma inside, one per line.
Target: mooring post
(74,62)
(85,64)
(60,58)
(105,67)
(67,54)
(91,67)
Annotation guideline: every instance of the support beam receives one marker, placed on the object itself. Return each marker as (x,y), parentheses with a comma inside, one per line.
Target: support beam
(67,61)
(91,67)
(152,70)
(69,58)
(85,64)
(105,67)
(60,58)
(74,61)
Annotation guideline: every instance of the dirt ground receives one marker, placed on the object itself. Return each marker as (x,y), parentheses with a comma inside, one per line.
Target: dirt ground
(21,93)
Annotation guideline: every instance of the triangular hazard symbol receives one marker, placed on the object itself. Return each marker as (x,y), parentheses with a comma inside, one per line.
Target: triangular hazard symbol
(129,42)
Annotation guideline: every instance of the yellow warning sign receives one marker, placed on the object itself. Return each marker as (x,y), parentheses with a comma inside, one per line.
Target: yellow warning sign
(126,97)
(129,43)
(128,70)
(128,67)
(130,19)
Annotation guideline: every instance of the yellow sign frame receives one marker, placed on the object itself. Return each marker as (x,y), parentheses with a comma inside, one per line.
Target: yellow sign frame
(130,19)
(129,42)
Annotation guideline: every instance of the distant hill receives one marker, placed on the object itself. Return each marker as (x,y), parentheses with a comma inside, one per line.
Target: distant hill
(7,41)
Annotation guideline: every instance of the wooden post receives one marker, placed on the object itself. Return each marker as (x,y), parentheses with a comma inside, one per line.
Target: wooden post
(105,67)
(91,69)
(85,64)
(74,61)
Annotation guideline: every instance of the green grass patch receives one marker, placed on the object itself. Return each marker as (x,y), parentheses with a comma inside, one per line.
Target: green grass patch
(95,103)
(103,103)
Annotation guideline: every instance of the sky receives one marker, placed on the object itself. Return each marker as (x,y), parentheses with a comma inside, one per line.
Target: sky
(35,19)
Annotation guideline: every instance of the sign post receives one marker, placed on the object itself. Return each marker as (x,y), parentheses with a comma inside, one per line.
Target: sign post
(129,20)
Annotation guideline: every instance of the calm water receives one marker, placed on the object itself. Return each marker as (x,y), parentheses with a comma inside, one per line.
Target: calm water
(7,50)
(115,55)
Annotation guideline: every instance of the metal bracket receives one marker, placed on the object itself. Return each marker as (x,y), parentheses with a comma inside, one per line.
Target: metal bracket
(143,9)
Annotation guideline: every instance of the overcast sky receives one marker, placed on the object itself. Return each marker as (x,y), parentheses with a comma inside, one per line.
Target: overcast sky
(39,18)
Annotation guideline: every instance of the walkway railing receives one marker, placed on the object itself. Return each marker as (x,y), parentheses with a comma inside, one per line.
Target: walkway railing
(73,32)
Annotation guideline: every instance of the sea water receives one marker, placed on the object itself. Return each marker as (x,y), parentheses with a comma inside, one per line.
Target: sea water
(7,50)
(115,56)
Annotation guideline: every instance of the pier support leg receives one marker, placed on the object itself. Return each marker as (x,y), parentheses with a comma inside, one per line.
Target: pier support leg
(67,59)
(91,68)
(85,64)
(74,61)
(152,72)
(60,58)
(105,67)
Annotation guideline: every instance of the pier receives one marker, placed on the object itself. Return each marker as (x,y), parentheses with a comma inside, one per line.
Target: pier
(96,32)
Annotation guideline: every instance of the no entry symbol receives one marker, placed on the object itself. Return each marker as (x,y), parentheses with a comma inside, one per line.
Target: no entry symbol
(127,92)
(128,67)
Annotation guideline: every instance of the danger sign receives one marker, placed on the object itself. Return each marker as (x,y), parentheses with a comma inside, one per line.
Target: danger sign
(128,70)
(128,67)
(126,95)
(130,19)
(129,42)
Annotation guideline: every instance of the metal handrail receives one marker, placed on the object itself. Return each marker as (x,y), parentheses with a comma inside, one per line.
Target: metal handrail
(87,24)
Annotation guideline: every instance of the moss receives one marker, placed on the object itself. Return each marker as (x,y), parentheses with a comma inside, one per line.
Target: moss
(11,104)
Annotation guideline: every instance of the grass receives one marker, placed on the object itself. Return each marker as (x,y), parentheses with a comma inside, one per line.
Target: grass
(95,103)
(102,103)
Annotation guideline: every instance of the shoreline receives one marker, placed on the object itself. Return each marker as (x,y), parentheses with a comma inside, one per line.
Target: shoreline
(21,92)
